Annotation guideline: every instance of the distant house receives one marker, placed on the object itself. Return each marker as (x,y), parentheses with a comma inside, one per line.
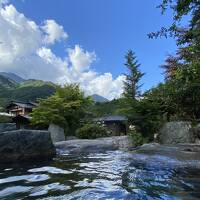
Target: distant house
(16,108)
(117,125)
(20,112)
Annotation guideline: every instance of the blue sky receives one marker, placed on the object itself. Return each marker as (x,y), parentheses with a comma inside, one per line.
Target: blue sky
(109,28)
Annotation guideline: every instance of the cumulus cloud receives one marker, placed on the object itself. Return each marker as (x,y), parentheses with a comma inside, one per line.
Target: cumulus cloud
(54,32)
(81,60)
(25,50)
(3,2)
(19,37)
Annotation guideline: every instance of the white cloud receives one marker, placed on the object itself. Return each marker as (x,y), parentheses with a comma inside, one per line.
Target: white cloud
(2,2)
(106,86)
(79,59)
(19,37)
(54,32)
(24,50)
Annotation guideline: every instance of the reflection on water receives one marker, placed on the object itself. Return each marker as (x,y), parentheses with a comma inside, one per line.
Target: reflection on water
(112,175)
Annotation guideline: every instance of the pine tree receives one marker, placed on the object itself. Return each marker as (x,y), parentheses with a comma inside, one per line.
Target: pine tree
(131,84)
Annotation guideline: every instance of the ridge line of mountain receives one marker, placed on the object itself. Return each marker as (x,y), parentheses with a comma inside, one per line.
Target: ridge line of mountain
(12,85)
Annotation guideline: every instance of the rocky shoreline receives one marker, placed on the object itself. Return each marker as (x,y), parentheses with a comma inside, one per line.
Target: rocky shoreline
(81,146)
(35,145)
(176,156)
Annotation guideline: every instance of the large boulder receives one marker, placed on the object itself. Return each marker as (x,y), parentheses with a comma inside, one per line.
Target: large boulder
(7,127)
(57,133)
(81,146)
(25,145)
(156,155)
(176,132)
(196,130)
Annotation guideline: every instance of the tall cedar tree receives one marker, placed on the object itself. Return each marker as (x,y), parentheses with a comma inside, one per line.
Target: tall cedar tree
(131,84)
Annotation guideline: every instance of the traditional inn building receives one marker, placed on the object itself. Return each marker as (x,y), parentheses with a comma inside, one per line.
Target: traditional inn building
(20,112)
(117,125)
(19,108)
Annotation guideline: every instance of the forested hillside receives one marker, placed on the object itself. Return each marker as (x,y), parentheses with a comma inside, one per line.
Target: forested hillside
(29,90)
(13,87)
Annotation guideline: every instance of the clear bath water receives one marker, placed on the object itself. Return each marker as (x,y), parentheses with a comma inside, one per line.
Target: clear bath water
(110,175)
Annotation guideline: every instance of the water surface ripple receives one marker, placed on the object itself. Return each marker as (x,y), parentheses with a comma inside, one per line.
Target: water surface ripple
(110,175)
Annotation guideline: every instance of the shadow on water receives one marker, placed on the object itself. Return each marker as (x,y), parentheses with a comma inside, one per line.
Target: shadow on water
(111,175)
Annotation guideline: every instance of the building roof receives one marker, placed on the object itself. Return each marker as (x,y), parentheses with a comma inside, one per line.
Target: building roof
(22,104)
(111,118)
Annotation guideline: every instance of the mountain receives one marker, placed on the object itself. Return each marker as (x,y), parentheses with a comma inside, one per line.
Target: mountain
(35,83)
(13,77)
(98,98)
(29,90)
(13,87)
(6,83)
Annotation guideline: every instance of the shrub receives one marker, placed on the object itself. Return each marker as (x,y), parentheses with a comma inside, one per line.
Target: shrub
(91,131)
(136,137)
(5,119)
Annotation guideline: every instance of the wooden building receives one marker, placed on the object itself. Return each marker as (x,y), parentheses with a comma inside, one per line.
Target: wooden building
(16,108)
(20,113)
(117,125)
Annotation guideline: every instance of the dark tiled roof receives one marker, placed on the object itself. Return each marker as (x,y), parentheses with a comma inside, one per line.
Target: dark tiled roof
(112,118)
(22,104)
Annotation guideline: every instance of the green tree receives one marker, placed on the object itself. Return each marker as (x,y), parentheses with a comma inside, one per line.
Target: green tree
(100,109)
(183,70)
(92,130)
(131,84)
(181,8)
(65,108)
(131,105)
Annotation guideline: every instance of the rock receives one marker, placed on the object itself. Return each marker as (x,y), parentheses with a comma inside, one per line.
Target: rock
(179,155)
(196,131)
(123,142)
(197,141)
(57,133)
(94,146)
(7,127)
(176,132)
(25,145)
(71,138)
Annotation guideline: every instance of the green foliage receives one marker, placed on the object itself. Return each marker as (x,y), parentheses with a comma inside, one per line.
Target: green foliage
(136,137)
(179,96)
(2,104)
(5,119)
(150,117)
(92,131)
(131,84)
(35,83)
(181,8)
(6,83)
(65,108)
(135,109)
(106,108)
(27,91)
